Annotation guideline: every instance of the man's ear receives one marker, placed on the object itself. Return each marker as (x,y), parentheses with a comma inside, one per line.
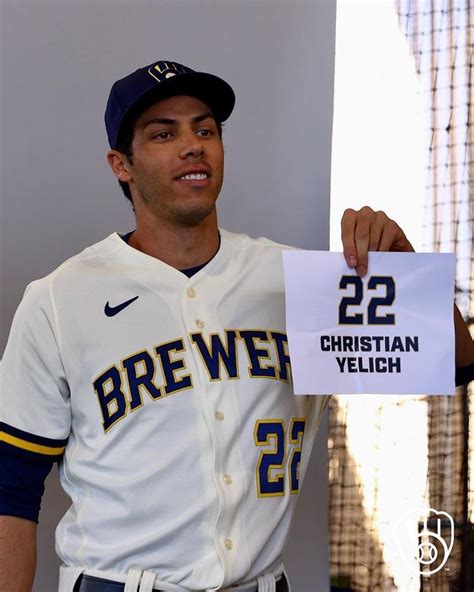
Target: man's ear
(119,165)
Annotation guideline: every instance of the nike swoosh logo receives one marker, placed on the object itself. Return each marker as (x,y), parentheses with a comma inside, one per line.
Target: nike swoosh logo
(111,311)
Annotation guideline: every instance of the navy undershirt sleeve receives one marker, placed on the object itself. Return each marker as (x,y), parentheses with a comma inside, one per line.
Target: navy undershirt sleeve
(464,374)
(22,478)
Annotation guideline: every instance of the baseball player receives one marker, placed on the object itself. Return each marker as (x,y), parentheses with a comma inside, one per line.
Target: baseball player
(154,368)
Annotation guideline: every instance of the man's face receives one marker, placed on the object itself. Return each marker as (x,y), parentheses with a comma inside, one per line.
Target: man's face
(177,162)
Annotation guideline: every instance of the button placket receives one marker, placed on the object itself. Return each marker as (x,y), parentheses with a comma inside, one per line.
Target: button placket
(229,544)
(215,396)
(192,293)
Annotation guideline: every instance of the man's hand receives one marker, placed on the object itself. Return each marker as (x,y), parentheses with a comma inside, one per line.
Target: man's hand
(366,230)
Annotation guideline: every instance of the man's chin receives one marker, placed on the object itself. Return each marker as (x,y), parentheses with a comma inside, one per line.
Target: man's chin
(194,215)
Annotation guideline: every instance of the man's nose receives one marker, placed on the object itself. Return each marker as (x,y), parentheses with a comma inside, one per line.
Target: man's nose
(192,146)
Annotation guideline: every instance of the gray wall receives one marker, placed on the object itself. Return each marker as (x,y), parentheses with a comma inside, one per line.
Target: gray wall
(58,60)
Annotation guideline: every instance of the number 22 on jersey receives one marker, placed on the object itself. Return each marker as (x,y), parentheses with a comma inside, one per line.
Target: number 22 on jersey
(271,436)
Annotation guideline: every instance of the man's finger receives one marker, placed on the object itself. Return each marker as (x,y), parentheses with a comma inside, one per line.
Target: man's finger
(376,230)
(348,224)
(364,222)
(390,236)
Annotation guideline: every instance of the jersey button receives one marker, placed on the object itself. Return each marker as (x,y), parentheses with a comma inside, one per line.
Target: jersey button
(191,292)
(200,324)
(227,479)
(219,415)
(229,544)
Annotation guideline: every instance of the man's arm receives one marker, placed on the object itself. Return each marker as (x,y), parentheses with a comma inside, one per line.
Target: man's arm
(464,342)
(35,420)
(17,554)
(365,230)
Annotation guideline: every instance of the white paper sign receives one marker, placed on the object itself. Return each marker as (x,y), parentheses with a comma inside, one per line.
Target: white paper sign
(391,332)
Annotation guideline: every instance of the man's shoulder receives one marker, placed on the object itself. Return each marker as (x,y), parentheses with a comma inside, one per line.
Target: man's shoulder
(73,266)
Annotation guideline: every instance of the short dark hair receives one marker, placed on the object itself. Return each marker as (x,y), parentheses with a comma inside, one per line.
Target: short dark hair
(124,145)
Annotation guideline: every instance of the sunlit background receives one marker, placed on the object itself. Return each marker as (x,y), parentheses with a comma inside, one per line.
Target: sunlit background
(401,144)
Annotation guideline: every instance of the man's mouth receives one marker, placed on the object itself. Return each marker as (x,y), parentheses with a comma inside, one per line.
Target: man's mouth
(194,177)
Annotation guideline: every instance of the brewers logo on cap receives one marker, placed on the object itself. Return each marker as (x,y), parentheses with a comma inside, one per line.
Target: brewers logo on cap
(163,70)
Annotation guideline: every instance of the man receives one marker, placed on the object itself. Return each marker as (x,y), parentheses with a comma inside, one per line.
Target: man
(154,367)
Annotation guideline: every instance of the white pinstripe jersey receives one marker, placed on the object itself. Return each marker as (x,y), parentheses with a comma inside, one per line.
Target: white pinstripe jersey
(184,449)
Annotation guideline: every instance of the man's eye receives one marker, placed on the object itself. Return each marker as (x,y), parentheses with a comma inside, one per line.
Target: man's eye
(161,135)
(204,132)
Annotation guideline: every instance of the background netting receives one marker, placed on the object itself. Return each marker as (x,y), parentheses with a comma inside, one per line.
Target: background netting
(440,36)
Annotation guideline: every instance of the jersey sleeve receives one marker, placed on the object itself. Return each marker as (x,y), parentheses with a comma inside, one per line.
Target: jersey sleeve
(35,414)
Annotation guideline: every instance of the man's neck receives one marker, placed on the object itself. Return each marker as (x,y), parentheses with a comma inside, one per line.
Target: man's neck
(179,247)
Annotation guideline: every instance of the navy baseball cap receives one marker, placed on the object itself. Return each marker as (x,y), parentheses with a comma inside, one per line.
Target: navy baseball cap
(133,94)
